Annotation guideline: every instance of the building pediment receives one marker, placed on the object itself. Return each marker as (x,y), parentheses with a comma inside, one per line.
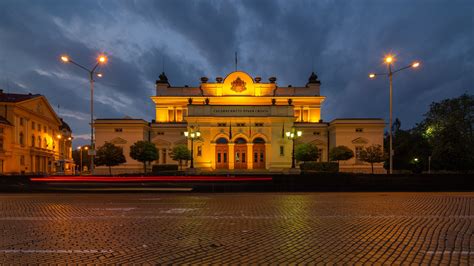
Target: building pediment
(160,142)
(118,141)
(238,83)
(360,140)
(40,106)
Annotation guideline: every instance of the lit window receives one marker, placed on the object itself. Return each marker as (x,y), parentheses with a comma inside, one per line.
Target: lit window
(199,152)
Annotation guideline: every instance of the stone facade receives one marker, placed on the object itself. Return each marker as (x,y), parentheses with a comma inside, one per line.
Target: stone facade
(242,122)
(33,139)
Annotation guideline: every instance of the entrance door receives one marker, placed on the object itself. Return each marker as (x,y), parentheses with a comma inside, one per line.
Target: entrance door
(240,154)
(222,154)
(258,153)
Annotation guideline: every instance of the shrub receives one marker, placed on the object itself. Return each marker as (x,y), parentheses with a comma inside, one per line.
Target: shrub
(324,167)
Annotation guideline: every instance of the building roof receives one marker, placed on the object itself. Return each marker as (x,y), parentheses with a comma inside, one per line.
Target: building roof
(16,97)
(4,121)
(64,125)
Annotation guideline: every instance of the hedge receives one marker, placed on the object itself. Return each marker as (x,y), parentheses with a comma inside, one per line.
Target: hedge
(164,167)
(326,167)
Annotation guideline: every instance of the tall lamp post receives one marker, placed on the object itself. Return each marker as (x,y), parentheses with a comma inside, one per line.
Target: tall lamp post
(102,59)
(389,60)
(192,134)
(80,155)
(292,135)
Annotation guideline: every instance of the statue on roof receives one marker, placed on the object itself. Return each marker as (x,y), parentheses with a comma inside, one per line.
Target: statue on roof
(163,78)
(313,79)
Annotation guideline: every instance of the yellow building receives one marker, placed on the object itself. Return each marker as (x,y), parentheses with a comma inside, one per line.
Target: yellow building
(33,139)
(242,122)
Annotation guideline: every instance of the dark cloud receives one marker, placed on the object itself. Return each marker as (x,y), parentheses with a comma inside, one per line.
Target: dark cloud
(341,40)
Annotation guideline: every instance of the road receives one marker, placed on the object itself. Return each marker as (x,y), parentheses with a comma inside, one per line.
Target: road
(240,228)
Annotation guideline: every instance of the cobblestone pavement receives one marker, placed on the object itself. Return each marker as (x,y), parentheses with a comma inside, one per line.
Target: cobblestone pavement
(340,228)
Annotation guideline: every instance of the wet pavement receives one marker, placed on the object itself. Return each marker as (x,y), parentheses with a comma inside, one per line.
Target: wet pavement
(241,228)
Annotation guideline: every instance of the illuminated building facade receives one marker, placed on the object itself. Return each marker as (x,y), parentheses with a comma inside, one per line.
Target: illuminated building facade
(242,122)
(33,139)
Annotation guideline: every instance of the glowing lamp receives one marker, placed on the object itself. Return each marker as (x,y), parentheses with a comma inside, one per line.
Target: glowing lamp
(388,59)
(299,133)
(186,133)
(102,59)
(372,75)
(415,64)
(288,134)
(65,58)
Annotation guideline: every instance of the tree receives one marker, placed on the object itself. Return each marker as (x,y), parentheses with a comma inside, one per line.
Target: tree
(180,153)
(340,153)
(448,127)
(306,152)
(144,152)
(373,154)
(109,155)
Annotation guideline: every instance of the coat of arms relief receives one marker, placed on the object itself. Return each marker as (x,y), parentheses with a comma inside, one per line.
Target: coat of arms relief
(238,85)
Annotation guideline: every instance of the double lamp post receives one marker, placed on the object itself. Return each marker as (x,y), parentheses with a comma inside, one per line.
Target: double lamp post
(192,134)
(389,60)
(102,59)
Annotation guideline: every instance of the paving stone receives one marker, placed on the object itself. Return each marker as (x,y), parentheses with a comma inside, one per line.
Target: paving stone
(238,228)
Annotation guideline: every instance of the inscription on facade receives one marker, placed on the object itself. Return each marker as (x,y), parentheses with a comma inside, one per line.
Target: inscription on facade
(241,110)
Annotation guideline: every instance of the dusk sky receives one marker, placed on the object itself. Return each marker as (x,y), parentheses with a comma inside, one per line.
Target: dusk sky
(342,41)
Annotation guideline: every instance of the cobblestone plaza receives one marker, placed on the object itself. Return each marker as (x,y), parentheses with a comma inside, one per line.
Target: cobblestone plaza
(341,228)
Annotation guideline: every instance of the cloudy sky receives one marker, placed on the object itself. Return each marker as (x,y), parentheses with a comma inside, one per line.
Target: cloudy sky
(341,40)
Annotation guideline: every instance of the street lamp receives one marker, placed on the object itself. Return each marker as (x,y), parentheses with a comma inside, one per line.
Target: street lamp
(192,134)
(293,134)
(389,59)
(102,59)
(80,155)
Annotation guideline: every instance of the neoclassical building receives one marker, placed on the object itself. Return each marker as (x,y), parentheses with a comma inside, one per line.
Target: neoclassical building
(242,121)
(33,139)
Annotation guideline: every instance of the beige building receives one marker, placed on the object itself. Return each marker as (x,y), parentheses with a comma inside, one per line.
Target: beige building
(242,122)
(33,139)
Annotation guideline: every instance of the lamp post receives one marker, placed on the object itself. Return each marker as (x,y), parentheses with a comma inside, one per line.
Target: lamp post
(80,155)
(292,135)
(192,134)
(389,60)
(102,59)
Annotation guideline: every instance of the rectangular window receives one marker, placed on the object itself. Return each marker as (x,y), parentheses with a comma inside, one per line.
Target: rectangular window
(39,127)
(160,133)
(1,143)
(259,124)
(243,157)
(118,130)
(22,121)
(44,128)
(317,133)
(225,157)
(221,124)
(240,124)
(33,125)
(282,150)
(262,157)
(359,130)
(199,153)
(255,157)
(218,157)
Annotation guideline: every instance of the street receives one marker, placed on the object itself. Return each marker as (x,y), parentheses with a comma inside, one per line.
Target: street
(197,228)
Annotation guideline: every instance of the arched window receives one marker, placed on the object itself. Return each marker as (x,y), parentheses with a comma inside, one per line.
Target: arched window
(240,141)
(222,141)
(258,141)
